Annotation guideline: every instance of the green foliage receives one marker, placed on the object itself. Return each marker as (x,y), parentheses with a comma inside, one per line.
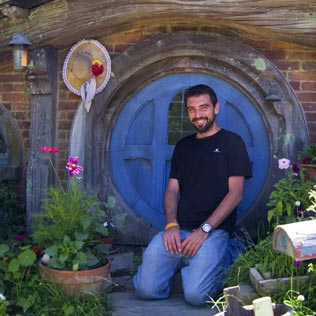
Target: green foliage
(17,273)
(68,229)
(308,155)
(289,194)
(23,292)
(66,213)
(53,302)
(9,217)
(262,256)
(312,207)
(72,254)
(7,196)
(296,302)
(3,305)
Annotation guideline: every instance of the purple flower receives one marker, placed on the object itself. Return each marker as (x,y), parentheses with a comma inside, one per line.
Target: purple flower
(299,211)
(296,169)
(297,263)
(21,236)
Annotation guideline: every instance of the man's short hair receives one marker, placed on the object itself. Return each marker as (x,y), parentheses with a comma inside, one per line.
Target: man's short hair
(198,90)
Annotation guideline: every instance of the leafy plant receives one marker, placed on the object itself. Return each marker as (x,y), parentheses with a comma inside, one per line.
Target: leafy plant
(290,197)
(308,155)
(9,216)
(72,223)
(67,230)
(3,305)
(17,274)
(295,300)
(54,302)
(262,256)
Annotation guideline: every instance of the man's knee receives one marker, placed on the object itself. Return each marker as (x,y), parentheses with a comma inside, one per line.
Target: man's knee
(148,291)
(198,296)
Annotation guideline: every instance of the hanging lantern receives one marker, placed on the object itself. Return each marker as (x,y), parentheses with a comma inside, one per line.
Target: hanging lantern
(19,43)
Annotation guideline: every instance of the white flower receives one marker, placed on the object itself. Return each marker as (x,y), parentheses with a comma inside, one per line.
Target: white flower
(45,259)
(106,224)
(301,298)
(284,163)
(297,203)
(2,297)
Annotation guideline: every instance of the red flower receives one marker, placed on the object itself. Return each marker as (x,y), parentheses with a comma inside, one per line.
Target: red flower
(97,68)
(49,149)
(307,160)
(36,250)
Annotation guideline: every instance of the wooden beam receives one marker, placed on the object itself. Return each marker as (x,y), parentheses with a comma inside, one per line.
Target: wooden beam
(61,23)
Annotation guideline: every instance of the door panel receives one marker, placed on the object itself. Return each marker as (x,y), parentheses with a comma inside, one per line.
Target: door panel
(139,151)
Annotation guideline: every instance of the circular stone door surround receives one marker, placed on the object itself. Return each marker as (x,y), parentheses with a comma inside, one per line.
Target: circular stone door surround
(229,59)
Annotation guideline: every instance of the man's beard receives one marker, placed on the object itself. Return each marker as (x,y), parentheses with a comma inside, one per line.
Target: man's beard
(206,127)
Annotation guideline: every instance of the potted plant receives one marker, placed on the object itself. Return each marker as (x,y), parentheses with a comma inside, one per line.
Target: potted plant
(307,160)
(68,233)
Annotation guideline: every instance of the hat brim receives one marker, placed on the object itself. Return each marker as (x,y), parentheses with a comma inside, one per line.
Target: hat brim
(94,50)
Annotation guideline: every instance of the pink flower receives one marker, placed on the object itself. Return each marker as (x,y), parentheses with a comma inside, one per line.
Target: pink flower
(21,236)
(72,166)
(284,163)
(49,149)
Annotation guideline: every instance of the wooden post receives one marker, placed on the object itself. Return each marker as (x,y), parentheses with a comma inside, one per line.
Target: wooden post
(263,306)
(43,85)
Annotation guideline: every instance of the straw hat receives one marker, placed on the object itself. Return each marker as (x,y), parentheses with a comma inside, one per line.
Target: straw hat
(77,65)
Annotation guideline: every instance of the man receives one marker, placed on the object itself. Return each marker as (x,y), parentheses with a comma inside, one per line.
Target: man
(205,186)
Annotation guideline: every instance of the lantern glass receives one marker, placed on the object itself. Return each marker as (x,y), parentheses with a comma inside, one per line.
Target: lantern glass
(19,57)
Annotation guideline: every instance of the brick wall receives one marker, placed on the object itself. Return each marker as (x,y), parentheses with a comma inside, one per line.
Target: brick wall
(15,97)
(297,64)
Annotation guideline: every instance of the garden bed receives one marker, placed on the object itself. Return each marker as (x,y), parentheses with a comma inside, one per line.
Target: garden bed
(264,286)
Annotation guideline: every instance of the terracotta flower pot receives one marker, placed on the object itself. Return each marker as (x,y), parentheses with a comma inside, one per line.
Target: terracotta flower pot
(309,171)
(86,281)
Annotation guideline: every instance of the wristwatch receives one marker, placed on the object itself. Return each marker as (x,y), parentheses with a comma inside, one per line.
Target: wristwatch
(207,228)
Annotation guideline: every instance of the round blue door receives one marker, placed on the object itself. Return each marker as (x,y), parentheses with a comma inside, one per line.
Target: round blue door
(148,127)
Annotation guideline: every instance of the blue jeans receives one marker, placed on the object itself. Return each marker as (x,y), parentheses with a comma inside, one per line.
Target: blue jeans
(202,275)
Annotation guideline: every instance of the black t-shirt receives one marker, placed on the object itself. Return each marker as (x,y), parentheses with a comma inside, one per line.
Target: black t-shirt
(202,167)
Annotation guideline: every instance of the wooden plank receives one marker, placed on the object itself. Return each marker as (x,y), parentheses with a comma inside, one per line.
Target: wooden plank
(263,306)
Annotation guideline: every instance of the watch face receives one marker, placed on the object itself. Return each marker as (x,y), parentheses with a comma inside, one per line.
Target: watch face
(206,228)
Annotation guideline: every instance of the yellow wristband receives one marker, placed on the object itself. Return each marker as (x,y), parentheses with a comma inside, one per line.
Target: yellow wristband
(172,224)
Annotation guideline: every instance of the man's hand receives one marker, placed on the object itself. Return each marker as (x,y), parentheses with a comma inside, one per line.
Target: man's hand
(172,240)
(193,242)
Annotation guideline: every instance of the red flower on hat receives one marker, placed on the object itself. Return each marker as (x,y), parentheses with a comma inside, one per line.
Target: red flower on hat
(97,68)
